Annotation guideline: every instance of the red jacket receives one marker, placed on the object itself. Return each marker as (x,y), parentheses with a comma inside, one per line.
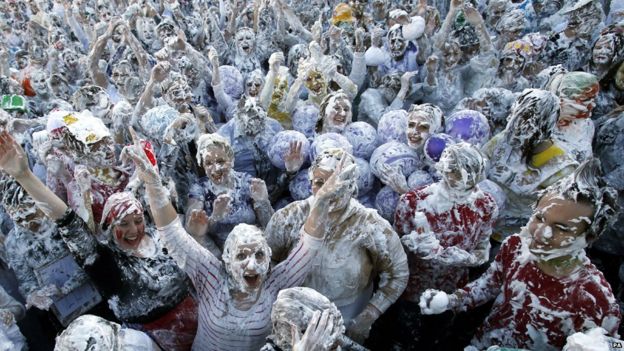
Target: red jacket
(534,310)
(465,226)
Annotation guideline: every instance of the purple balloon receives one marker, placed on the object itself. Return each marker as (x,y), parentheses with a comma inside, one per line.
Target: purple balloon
(386,203)
(280,145)
(327,141)
(436,144)
(392,127)
(469,126)
(395,154)
(304,119)
(366,179)
(363,137)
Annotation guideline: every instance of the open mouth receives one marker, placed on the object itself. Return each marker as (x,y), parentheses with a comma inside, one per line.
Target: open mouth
(414,139)
(339,120)
(252,279)
(246,48)
(132,239)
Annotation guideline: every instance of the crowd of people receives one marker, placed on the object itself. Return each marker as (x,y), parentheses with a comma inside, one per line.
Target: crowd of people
(311,175)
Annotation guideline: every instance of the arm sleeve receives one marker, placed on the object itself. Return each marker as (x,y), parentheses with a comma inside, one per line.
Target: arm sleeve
(188,254)
(489,285)
(358,69)
(282,230)
(390,262)
(264,212)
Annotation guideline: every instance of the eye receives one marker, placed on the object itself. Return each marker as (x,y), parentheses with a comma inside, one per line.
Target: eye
(318,182)
(411,125)
(260,255)
(241,256)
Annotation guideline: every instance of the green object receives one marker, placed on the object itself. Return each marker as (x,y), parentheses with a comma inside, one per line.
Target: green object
(460,20)
(13,103)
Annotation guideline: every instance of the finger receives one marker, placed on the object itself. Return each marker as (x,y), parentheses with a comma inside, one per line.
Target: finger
(135,137)
(314,321)
(347,173)
(323,321)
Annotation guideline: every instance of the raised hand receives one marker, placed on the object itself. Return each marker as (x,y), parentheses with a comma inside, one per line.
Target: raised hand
(259,190)
(160,72)
(393,178)
(144,168)
(275,61)
(221,206)
(293,160)
(197,223)
(317,333)
(13,159)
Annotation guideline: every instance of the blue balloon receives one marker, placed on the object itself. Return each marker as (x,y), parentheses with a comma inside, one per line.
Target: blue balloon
(436,144)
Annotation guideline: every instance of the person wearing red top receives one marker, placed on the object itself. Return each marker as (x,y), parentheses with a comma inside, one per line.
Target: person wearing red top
(445,229)
(544,286)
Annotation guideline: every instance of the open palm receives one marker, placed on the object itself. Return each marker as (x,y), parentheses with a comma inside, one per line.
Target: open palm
(13,159)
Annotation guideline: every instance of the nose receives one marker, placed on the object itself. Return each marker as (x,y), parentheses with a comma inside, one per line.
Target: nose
(543,233)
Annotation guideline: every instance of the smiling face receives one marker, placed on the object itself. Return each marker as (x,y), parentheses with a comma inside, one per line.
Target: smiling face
(337,114)
(129,232)
(603,51)
(315,82)
(558,227)
(39,82)
(418,129)
(512,63)
(253,86)
(217,164)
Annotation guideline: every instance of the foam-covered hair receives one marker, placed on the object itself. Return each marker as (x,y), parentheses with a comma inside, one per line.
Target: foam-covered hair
(587,185)
(295,307)
(574,84)
(533,118)
(466,158)
(210,140)
(430,111)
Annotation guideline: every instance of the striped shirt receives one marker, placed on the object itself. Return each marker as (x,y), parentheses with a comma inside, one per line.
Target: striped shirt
(221,325)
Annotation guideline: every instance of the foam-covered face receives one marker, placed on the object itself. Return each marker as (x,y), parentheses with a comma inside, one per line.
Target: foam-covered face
(558,227)
(253,86)
(70,59)
(248,263)
(512,63)
(603,51)
(583,106)
(337,115)
(147,32)
(179,93)
(165,32)
(129,232)
(452,54)
(315,82)
(60,89)
(456,179)
(217,164)
(22,61)
(320,175)
(390,86)
(121,72)
(544,8)
(252,119)
(39,82)
(99,104)
(397,44)
(296,53)
(245,41)
(101,153)
(418,130)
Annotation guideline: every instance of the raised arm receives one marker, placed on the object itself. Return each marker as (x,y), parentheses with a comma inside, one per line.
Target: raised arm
(146,101)
(189,255)
(100,78)
(13,161)
(445,30)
